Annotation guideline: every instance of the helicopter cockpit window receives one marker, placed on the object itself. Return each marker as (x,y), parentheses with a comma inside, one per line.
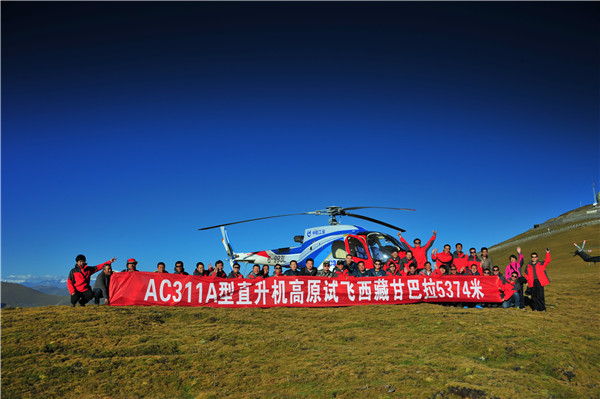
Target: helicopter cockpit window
(356,247)
(381,245)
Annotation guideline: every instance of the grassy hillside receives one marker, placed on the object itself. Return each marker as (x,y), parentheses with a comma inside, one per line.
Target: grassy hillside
(422,350)
(17,295)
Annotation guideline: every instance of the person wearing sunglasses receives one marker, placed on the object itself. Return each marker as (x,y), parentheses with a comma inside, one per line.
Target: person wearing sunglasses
(235,273)
(277,271)
(419,252)
(325,272)
(377,270)
(537,279)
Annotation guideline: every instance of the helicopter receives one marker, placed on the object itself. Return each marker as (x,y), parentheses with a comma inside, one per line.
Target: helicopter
(324,243)
(582,253)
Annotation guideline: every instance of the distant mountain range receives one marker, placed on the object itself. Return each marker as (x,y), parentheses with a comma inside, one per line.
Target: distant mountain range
(30,281)
(30,291)
(17,295)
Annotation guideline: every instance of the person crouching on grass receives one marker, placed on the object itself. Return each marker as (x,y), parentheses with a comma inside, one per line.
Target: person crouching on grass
(79,280)
(511,292)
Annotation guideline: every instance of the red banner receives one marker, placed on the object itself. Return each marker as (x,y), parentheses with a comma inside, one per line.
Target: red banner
(146,289)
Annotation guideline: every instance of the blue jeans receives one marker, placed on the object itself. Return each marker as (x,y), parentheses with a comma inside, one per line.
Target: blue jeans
(514,300)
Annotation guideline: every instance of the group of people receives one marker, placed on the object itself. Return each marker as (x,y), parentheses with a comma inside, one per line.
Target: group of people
(410,262)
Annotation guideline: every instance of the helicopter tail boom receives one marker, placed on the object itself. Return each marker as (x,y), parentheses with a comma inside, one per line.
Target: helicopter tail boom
(227,245)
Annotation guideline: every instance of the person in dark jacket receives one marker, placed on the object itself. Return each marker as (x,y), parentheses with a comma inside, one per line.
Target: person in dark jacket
(277,271)
(310,269)
(219,272)
(235,273)
(350,266)
(496,272)
(377,270)
(340,269)
(325,272)
(293,270)
(472,271)
(412,270)
(361,271)
(200,271)
(102,284)
(265,271)
(395,259)
(407,261)
(255,273)
(179,269)
(79,280)
(486,261)
(427,271)
(161,268)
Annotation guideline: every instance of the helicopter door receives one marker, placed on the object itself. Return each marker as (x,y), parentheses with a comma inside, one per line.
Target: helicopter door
(358,250)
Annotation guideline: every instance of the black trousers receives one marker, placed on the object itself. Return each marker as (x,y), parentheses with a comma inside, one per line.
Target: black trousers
(97,295)
(537,296)
(82,297)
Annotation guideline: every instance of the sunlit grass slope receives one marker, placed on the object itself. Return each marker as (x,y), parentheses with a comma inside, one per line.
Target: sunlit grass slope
(422,350)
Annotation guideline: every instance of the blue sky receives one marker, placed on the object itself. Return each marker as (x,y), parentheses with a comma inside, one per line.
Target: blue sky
(127,126)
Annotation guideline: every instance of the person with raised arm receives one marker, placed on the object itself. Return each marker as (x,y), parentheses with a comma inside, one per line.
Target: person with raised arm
(78,282)
(101,285)
(515,266)
(419,252)
(537,279)
(219,272)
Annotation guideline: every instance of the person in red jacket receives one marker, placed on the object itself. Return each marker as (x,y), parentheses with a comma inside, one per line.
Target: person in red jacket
(393,271)
(443,258)
(537,279)
(219,272)
(460,259)
(395,259)
(441,271)
(473,259)
(511,292)
(419,252)
(79,280)
(235,271)
(277,271)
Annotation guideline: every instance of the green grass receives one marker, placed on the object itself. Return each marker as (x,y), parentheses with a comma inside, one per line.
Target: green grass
(421,350)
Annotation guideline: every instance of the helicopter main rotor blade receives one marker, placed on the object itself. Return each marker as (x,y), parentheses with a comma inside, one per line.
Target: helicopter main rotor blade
(377,207)
(252,220)
(374,221)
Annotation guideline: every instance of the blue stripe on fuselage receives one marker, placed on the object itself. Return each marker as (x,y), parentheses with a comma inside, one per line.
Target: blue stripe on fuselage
(312,240)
